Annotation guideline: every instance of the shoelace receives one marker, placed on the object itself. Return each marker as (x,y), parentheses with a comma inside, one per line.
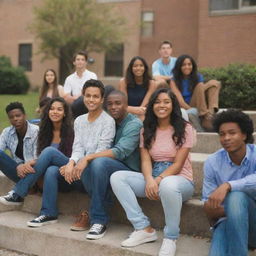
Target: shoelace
(96,228)
(40,218)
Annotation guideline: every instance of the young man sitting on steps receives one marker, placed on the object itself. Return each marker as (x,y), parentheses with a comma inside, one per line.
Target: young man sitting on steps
(229,188)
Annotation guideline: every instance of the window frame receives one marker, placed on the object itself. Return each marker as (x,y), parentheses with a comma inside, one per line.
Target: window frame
(27,65)
(241,10)
(145,22)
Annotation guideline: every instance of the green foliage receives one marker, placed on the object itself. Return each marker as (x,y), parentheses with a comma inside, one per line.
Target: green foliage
(67,26)
(12,79)
(238,85)
(5,62)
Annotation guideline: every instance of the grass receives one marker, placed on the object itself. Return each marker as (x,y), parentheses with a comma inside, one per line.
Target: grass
(29,101)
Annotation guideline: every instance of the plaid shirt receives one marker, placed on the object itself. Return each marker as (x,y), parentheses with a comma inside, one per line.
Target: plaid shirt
(9,140)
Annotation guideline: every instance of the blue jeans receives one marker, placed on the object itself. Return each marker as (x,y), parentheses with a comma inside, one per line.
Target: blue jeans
(49,157)
(96,180)
(8,167)
(173,190)
(233,235)
(54,182)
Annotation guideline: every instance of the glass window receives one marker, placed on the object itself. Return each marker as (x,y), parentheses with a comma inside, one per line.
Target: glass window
(25,56)
(217,5)
(248,2)
(147,24)
(114,61)
(223,5)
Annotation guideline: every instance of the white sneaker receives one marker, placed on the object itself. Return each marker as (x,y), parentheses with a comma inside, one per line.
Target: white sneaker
(168,247)
(139,237)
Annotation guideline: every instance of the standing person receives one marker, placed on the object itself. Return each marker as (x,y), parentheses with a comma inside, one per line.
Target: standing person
(20,139)
(138,86)
(162,68)
(123,155)
(166,172)
(196,97)
(50,87)
(55,130)
(74,83)
(229,187)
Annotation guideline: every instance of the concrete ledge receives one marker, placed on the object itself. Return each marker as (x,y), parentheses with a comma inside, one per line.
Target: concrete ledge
(57,240)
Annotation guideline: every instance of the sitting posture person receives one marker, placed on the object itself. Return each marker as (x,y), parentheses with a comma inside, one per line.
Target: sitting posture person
(162,68)
(194,95)
(50,87)
(229,188)
(20,139)
(55,130)
(74,83)
(138,86)
(167,172)
(123,155)
(94,132)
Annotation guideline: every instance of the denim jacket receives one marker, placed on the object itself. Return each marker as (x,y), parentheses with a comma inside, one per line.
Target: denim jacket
(9,140)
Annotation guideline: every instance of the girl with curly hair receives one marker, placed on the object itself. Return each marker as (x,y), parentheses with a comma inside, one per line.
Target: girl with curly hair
(166,172)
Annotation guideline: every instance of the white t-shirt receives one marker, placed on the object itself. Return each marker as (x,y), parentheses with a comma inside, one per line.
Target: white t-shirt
(74,84)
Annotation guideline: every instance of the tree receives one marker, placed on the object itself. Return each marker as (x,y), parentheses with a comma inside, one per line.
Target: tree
(66,26)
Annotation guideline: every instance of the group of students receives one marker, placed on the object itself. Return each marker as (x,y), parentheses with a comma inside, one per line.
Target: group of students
(117,152)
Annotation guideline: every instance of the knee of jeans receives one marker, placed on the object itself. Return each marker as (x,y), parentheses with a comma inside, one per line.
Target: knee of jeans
(167,188)
(51,172)
(236,202)
(48,150)
(98,165)
(116,179)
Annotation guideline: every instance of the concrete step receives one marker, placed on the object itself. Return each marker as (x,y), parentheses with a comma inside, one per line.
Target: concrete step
(57,239)
(208,143)
(197,164)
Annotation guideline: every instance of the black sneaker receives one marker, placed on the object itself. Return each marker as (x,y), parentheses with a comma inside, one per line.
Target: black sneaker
(96,231)
(42,220)
(11,199)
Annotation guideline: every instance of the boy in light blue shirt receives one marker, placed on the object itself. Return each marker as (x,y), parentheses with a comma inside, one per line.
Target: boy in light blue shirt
(229,188)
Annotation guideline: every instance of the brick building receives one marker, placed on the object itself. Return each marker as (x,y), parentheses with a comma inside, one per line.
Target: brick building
(214,32)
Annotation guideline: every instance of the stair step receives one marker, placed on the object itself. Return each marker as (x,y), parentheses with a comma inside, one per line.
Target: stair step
(57,239)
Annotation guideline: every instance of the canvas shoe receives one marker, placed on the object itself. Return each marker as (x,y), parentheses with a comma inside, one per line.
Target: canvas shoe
(11,199)
(42,220)
(138,237)
(168,247)
(96,231)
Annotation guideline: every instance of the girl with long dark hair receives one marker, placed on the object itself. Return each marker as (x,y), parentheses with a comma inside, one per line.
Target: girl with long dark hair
(193,94)
(137,85)
(50,87)
(166,172)
(56,127)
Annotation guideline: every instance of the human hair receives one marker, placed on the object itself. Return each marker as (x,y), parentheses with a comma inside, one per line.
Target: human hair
(165,42)
(235,116)
(45,134)
(94,83)
(45,87)
(117,92)
(150,123)
(179,76)
(83,53)
(129,76)
(15,105)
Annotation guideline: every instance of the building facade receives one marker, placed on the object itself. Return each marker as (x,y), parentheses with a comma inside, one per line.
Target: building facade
(214,32)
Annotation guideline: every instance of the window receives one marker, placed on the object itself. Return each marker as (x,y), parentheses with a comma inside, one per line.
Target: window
(147,24)
(237,5)
(114,61)
(25,55)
